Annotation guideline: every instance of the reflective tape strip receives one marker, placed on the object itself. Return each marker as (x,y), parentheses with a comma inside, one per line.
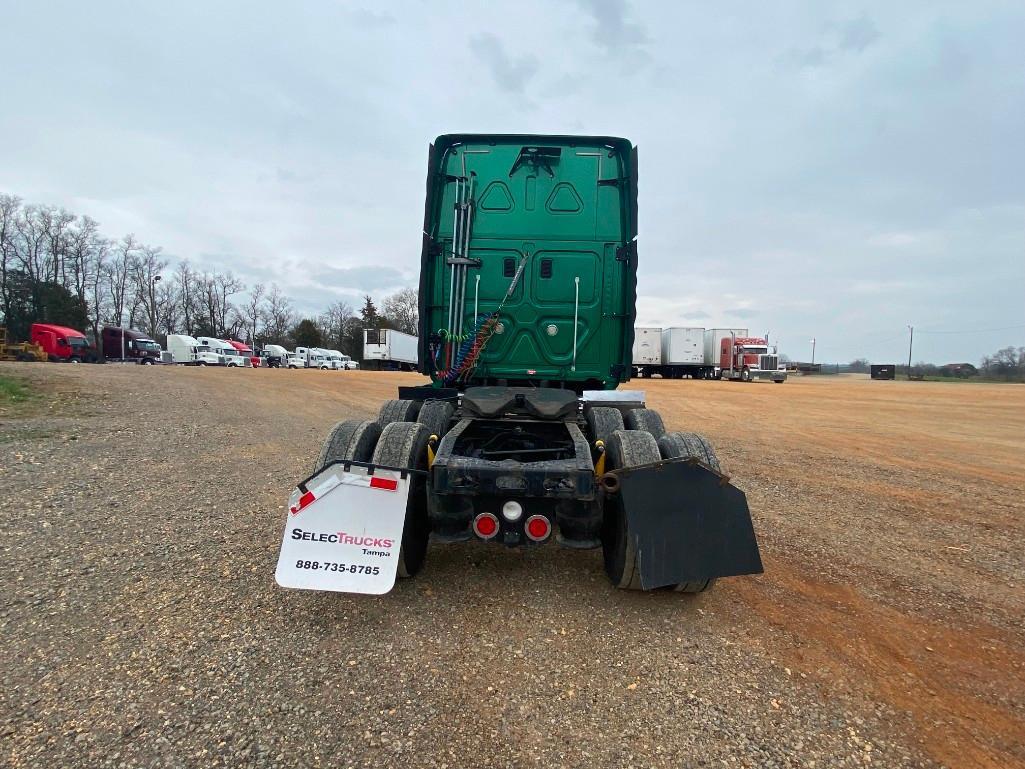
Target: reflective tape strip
(304,500)
(347,479)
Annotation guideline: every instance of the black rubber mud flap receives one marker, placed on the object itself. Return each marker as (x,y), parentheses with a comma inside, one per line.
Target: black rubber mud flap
(688,522)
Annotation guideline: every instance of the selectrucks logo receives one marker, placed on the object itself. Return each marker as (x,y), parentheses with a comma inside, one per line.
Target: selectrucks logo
(342,538)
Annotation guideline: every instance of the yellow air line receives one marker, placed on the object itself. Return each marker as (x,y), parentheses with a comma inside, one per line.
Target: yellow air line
(599,464)
(432,443)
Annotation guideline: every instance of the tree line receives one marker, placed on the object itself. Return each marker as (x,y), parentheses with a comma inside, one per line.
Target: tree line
(57,267)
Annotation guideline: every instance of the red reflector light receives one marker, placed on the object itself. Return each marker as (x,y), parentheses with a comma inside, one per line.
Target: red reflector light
(485,526)
(537,528)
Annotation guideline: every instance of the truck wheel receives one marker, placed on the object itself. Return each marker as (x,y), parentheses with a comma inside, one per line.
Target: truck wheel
(353,439)
(603,421)
(436,416)
(398,411)
(202,363)
(745,375)
(73,359)
(676,445)
(404,445)
(648,420)
(626,448)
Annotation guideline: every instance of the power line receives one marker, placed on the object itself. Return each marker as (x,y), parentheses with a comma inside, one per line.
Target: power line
(974,331)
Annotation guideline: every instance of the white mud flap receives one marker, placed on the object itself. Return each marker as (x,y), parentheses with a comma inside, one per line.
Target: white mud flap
(344,531)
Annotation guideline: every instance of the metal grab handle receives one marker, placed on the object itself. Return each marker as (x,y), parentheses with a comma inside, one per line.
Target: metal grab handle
(576,315)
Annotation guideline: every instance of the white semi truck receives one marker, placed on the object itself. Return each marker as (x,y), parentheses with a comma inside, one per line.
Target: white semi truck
(188,351)
(314,357)
(232,357)
(387,349)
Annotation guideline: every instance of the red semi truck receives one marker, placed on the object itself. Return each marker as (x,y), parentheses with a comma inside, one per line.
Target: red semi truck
(61,343)
(748,358)
(246,352)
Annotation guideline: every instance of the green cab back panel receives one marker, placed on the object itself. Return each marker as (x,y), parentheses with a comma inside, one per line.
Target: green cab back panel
(561,211)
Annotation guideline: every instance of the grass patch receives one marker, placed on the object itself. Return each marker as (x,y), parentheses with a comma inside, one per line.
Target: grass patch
(14,392)
(16,397)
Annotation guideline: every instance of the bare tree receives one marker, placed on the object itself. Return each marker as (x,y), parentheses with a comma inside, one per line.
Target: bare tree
(218,288)
(403,309)
(147,272)
(99,286)
(333,321)
(82,243)
(252,311)
(189,292)
(30,245)
(278,316)
(56,223)
(119,272)
(10,208)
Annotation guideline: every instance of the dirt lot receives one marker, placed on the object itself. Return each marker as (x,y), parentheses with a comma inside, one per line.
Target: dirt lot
(141,511)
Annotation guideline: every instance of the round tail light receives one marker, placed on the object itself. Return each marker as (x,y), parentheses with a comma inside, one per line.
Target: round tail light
(537,528)
(485,526)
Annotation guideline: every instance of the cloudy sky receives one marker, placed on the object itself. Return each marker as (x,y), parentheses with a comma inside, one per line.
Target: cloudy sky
(827,170)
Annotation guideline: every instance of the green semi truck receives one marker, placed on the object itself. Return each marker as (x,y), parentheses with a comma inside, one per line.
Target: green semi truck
(527,303)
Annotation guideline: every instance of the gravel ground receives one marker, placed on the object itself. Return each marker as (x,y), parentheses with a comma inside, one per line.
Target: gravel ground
(140,517)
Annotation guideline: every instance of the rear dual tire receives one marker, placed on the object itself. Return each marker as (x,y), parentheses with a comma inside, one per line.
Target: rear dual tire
(400,445)
(404,445)
(635,448)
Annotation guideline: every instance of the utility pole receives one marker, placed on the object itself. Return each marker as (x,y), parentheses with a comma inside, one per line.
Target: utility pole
(911,341)
(813,351)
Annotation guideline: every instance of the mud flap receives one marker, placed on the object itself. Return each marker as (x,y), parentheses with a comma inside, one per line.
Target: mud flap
(688,522)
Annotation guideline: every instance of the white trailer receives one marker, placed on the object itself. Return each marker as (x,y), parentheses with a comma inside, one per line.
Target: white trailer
(188,351)
(680,352)
(683,345)
(647,348)
(386,348)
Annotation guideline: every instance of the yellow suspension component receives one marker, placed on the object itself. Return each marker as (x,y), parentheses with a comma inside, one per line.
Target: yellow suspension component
(432,444)
(599,465)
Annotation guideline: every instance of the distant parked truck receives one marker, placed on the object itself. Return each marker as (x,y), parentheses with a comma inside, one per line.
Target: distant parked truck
(245,351)
(232,357)
(746,358)
(187,351)
(387,349)
(314,357)
(129,345)
(274,356)
(61,343)
(343,360)
(883,371)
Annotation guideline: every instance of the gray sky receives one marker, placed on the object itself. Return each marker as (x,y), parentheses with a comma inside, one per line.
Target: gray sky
(836,172)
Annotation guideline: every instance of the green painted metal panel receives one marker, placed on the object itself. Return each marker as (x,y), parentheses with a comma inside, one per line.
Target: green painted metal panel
(561,210)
